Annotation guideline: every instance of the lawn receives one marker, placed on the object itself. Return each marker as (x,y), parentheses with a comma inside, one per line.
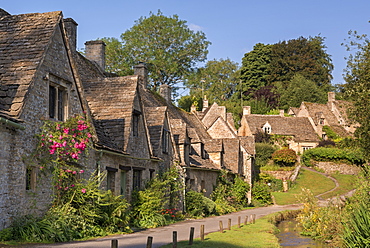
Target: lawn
(316,182)
(260,234)
(346,184)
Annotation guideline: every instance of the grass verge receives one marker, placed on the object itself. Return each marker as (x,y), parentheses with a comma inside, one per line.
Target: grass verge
(261,234)
(346,184)
(316,182)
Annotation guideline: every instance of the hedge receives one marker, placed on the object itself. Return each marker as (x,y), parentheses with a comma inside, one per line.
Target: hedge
(324,154)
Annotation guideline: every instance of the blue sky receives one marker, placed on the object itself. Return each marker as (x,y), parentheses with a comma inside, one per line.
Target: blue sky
(233,26)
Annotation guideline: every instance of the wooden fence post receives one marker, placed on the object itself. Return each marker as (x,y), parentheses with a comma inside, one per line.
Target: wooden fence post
(238,221)
(149,242)
(174,239)
(229,224)
(221,226)
(246,220)
(114,243)
(191,237)
(202,232)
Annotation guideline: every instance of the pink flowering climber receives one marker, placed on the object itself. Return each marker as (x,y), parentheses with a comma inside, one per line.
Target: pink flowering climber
(83,191)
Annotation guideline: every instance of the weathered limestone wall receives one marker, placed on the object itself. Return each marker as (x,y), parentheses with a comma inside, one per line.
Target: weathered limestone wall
(330,167)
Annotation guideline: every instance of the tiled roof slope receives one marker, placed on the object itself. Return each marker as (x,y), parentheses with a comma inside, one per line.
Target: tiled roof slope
(248,143)
(23,40)
(299,127)
(232,150)
(155,121)
(151,100)
(111,103)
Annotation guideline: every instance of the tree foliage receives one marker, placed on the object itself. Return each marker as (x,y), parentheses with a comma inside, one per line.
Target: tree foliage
(166,44)
(357,87)
(217,80)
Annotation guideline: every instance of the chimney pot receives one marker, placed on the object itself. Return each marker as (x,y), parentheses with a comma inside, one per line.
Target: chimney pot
(205,103)
(281,112)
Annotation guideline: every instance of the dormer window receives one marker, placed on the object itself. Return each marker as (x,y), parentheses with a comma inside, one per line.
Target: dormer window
(321,121)
(266,128)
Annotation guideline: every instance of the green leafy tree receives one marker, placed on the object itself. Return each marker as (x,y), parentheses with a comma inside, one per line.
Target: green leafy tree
(166,44)
(357,87)
(217,80)
(306,56)
(300,89)
(255,70)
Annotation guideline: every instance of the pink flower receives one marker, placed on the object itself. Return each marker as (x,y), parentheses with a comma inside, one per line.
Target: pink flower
(64,143)
(50,136)
(83,191)
(66,130)
(72,185)
(82,171)
(41,167)
(74,155)
(74,172)
(65,188)
(60,137)
(89,135)
(68,170)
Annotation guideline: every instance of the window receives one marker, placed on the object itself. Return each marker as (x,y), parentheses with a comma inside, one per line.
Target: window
(123,183)
(58,98)
(136,181)
(135,122)
(321,121)
(267,128)
(111,179)
(165,140)
(31,178)
(305,148)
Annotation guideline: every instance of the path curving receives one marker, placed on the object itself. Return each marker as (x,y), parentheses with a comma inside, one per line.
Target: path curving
(337,200)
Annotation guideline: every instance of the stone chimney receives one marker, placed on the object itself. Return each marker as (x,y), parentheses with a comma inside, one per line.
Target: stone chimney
(193,108)
(71,29)
(165,92)
(205,103)
(95,51)
(331,100)
(246,110)
(281,112)
(141,69)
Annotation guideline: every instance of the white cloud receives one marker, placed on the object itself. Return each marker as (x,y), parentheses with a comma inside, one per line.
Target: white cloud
(195,27)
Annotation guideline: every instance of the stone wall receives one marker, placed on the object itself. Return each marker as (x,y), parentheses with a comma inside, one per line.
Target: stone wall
(330,167)
(279,174)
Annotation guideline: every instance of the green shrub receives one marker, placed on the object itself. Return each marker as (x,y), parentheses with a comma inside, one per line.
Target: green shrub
(197,205)
(261,195)
(239,190)
(350,156)
(148,204)
(285,157)
(330,133)
(264,152)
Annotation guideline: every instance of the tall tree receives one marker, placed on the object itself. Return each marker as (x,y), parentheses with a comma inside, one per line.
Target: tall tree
(300,89)
(166,44)
(307,57)
(217,80)
(357,87)
(255,70)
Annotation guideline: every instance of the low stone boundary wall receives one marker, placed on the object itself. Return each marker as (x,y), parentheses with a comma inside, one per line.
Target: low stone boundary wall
(330,167)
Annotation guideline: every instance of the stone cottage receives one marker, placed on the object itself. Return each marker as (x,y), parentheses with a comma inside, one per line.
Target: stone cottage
(332,114)
(297,133)
(37,82)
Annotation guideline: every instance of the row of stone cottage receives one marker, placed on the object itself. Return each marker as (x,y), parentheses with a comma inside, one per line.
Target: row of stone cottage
(137,133)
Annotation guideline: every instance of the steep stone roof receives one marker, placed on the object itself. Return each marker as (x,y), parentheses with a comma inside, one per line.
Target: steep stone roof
(232,154)
(23,40)
(198,162)
(111,102)
(155,121)
(248,143)
(299,127)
